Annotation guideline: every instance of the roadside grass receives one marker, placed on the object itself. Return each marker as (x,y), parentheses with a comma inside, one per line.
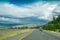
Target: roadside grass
(56,32)
(12,33)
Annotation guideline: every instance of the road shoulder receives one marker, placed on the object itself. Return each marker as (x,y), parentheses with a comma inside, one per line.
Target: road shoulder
(27,34)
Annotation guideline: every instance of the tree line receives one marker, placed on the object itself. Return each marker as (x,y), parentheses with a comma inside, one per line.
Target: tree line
(24,27)
(53,25)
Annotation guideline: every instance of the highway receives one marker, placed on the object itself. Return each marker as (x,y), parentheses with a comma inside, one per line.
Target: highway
(36,35)
(42,35)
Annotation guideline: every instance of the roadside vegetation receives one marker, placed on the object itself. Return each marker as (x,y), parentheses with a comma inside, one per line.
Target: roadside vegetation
(11,33)
(53,25)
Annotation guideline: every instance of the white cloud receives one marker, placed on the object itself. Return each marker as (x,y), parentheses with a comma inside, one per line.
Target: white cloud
(57,10)
(10,19)
(43,10)
(40,10)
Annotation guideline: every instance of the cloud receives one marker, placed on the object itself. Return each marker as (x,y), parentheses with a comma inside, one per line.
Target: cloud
(40,10)
(11,9)
(57,10)
(9,20)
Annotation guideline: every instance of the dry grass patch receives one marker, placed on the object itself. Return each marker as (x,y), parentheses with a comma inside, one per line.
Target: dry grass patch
(12,33)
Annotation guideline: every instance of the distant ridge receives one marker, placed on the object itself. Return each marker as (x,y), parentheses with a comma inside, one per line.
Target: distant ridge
(1,24)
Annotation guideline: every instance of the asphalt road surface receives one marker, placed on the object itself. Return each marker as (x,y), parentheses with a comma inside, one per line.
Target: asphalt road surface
(42,35)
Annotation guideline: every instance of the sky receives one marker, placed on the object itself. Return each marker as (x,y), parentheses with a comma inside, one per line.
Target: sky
(28,11)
